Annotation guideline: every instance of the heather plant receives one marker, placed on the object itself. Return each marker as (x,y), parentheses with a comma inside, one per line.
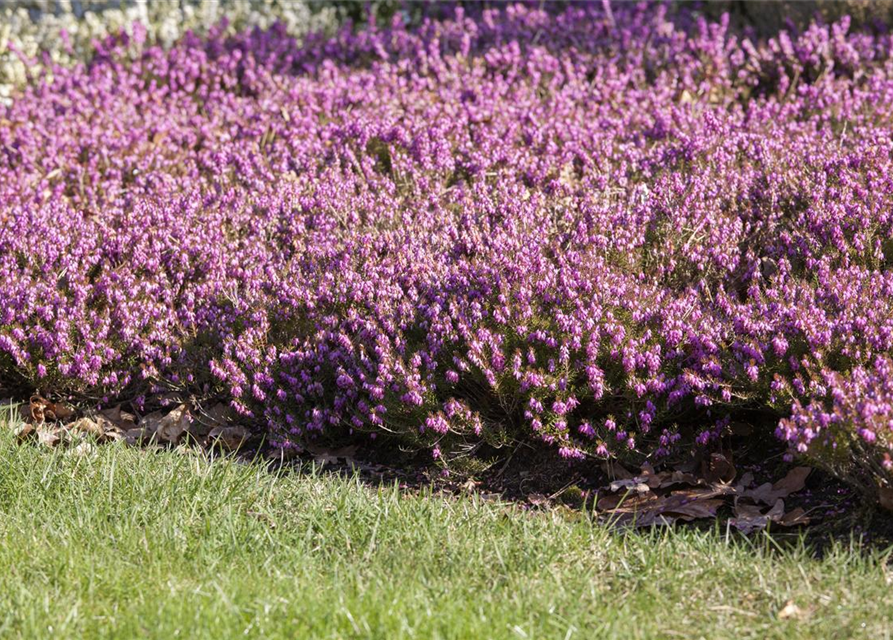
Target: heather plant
(849,430)
(610,231)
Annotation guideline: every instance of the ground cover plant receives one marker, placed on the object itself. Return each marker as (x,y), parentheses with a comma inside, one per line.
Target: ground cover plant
(609,231)
(116,541)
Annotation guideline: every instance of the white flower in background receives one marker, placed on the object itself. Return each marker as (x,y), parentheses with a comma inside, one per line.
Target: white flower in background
(33,27)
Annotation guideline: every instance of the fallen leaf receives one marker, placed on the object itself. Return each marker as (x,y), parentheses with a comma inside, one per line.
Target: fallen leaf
(116,418)
(168,427)
(23,430)
(793,482)
(695,509)
(791,610)
(42,410)
(744,481)
(537,499)
(229,438)
(325,458)
(669,479)
(47,436)
(331,456)
(719,469)
(83,449)
(205,420)
(615,470)
(768,493)
(633,484)
(86,425)
(283,454)
(776,513)
(794,518)
(137,436)
(36,410)
(750,517)
(61,410)
(627,502)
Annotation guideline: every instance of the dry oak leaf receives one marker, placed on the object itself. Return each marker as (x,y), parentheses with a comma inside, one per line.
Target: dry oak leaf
(326,456)
(48,436)
(83,449)
(205,420)
(719,469)
(791,610)
(168,427)
(537,499)
(768,493)
(750,517)
(229,438)
(617,471)
(138,436)
(794,518)
(633,484)
(23,430)
(42,410)
(88,426)
(283,454)
(625,502)
(117,419)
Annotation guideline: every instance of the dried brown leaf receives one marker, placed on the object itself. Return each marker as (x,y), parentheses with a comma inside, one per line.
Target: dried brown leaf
(283,454)
(36,413)
(61,410)
(719,469)
(794,518)
(205,420)
(699,508)
(48,436)
(116,418)
(83,449)
(229,438)
(167,427)
(625,502)
(750,517)
(325,458)
(633,484)
(793,482)
(679,477)
(791,611)
(42,410)
(768,493)
(324,455)
(744,482)
(23,431)
(616,471)
(88,426)
(138,436)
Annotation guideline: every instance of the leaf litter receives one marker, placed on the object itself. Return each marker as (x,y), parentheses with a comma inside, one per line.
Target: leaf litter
(695,490)
(53,424)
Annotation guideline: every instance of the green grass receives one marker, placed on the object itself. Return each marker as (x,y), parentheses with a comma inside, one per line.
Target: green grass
(131,543)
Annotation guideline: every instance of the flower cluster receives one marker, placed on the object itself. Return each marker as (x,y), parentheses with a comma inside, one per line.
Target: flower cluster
(849,430)
(606,230)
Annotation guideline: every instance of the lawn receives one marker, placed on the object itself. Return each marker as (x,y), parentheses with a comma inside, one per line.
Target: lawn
(125,542)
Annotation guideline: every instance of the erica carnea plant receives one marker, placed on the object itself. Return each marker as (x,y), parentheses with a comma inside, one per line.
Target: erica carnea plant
(607,232)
